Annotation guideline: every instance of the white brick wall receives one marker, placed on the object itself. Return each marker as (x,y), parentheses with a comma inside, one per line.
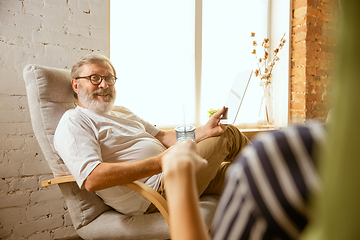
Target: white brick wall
(53,33)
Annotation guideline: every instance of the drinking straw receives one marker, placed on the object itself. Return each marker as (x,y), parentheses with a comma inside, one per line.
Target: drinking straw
(184,121)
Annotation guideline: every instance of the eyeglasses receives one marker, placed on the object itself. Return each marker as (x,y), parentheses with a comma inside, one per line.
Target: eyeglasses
(96,79)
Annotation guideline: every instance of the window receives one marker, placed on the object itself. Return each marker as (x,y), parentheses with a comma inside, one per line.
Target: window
(177,59)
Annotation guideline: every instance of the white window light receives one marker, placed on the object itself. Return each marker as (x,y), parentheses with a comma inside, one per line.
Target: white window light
(156,52)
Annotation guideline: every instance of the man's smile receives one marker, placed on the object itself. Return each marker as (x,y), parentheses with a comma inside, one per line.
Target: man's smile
(102,94)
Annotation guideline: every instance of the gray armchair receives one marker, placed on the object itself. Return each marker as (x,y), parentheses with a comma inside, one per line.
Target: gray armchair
(49,95)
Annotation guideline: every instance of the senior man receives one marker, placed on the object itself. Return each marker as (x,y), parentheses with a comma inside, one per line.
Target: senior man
(105,146)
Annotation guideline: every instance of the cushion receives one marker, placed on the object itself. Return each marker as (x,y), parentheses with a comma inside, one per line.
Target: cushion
(50,94)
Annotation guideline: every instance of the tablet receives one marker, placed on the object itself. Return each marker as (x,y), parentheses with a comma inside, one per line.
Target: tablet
(236,97)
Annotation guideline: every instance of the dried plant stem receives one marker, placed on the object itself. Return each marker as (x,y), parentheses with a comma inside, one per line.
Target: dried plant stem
(265,64)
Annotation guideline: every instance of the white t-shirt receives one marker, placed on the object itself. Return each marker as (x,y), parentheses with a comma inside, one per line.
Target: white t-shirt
(84,139)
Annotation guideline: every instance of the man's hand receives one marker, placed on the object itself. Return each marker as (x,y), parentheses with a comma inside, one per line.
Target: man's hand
(182,157)
(212,128)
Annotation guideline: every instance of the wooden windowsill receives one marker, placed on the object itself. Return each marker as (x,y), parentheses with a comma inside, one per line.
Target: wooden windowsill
(250,133)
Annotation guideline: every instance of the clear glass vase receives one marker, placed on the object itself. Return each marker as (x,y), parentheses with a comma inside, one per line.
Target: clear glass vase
(266,113)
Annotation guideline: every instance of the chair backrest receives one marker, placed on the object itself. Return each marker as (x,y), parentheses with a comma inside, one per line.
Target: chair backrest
(49,94)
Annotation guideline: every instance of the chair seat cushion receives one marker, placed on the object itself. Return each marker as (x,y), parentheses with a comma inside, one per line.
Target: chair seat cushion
(93,219)
(113,225)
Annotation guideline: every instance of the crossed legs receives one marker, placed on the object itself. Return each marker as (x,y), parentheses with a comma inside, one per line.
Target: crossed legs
(219,151)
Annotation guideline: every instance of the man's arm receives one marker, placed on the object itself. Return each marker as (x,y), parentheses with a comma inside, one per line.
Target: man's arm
(179,166)
(107,175)
(212,128)
(167,138)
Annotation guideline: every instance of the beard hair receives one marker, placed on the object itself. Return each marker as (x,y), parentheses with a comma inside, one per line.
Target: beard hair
(102,105)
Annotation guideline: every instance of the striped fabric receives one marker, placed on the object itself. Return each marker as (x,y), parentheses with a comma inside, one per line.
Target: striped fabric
(267,191)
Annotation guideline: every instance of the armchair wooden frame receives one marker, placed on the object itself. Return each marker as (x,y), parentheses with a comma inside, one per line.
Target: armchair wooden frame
(148,192)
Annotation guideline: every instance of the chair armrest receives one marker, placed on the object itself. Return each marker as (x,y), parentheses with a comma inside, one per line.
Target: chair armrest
(58,180)
(137,186)
(152,195)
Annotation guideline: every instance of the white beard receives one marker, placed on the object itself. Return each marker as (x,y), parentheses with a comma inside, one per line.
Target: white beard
(102,105)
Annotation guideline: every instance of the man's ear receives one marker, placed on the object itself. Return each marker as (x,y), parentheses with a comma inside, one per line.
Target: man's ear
(75,85)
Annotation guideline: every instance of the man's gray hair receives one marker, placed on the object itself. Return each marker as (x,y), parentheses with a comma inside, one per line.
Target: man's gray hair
(88,59)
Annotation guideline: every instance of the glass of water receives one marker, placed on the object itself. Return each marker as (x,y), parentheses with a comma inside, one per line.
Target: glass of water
(185,132)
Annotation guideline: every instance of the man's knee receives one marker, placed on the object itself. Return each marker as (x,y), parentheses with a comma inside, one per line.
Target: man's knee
(235,137)
(229,144)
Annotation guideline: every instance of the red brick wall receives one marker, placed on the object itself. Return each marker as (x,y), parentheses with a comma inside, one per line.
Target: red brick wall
(311,59)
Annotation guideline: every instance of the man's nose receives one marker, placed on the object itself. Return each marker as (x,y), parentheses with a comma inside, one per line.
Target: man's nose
(103,84)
